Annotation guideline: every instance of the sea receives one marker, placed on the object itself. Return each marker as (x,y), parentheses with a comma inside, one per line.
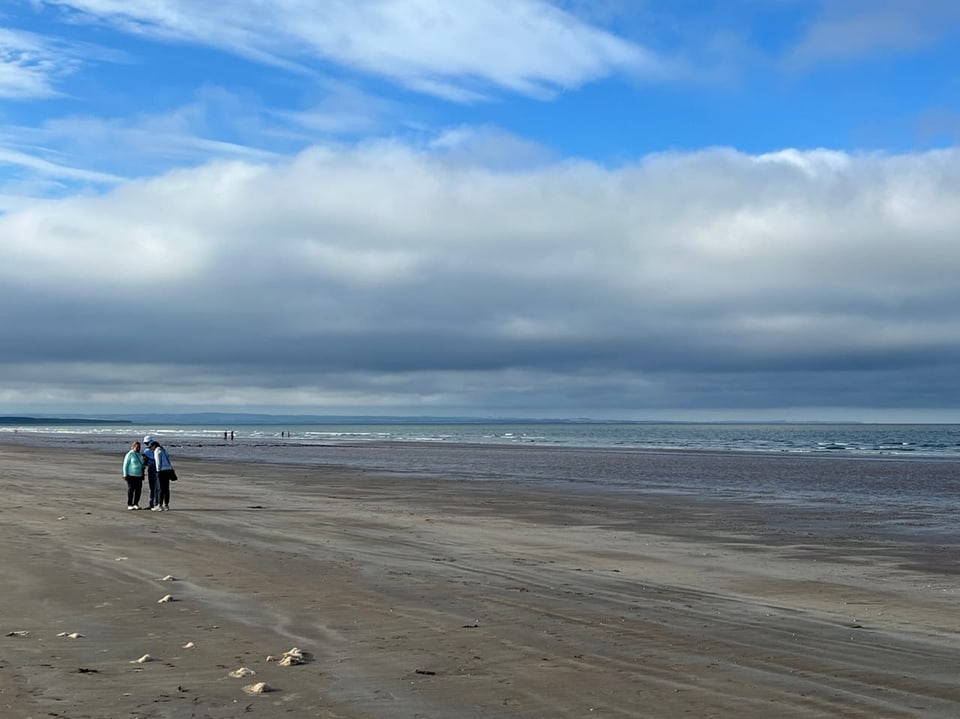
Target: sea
(265,441)
(892,477)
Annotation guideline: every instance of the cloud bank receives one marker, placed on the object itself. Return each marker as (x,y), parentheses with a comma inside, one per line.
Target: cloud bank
(392,279)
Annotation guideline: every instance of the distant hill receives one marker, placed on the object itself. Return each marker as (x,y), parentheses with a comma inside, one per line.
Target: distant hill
(229,419)
(59,420)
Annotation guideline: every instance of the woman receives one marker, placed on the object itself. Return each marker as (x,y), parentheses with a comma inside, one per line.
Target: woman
(133,474)
(165,475)
(150,470)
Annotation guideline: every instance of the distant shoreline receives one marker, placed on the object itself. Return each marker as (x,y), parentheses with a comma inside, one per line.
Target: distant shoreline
(59,420)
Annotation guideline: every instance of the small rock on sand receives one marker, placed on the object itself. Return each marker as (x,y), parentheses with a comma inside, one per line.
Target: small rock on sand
(142,660)
(165,598)
(241,673)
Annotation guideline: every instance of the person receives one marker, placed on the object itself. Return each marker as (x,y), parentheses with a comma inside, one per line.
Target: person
(151,466)
(133,474)
(165,475)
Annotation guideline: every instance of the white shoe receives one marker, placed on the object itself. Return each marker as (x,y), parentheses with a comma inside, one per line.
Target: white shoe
(156,508)
(130,506)
(166,508)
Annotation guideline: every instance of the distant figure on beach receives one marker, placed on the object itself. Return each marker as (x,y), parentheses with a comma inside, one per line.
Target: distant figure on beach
(150,465)
(165,475)
(231,435)
(133,474)
(224,435)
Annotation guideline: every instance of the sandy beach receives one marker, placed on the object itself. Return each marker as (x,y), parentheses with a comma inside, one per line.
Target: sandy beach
(450,599)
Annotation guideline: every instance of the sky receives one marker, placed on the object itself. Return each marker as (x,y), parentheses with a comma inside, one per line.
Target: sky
(615,209)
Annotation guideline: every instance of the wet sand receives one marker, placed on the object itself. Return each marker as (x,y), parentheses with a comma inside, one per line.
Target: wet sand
(446,598)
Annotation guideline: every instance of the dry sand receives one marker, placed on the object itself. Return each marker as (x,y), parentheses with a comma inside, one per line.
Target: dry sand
(448,599)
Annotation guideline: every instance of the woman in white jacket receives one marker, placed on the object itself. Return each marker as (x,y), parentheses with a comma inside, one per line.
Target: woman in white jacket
(165,475)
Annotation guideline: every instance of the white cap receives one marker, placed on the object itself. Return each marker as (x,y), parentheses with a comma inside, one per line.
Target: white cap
(148,440)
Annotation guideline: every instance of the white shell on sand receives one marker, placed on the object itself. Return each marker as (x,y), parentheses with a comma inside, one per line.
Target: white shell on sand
(165,598)
(258,688)
(142,660)
(241,673)
(169,578)
(189,645)
(19,633)
(70,635)
(293,657)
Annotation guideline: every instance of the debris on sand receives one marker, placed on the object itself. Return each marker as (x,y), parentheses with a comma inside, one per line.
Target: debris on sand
(258,688)
(291,658)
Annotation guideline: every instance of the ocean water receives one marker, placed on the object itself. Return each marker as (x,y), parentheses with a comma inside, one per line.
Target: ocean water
(857,440)
(890,478)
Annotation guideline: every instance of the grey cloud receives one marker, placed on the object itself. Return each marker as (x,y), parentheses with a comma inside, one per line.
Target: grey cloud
(387,278)
(863,28)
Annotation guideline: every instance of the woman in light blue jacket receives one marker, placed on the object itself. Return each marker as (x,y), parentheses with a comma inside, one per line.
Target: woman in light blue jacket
(165,475)
(133,474)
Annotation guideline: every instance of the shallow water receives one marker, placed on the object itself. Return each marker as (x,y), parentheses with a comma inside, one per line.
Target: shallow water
(909,493)
(861,440)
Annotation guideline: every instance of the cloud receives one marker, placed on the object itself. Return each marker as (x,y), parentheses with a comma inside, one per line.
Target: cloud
(463,52)
(856,30)
(28,65)
(142,145)
(39,166)
(387,278)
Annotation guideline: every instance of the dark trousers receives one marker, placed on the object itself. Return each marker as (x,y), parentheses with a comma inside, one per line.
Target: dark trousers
(163,492)
(134,487)
(154,487)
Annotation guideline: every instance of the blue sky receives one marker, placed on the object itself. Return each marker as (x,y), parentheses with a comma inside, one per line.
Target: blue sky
(618,209)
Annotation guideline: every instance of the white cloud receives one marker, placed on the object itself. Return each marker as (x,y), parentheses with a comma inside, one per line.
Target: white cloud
(62,149)
(460,51)
(386,271)
(28,65)
(39,166)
